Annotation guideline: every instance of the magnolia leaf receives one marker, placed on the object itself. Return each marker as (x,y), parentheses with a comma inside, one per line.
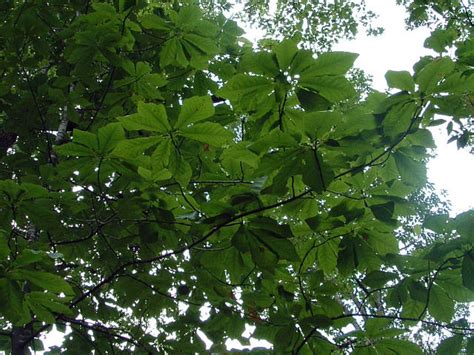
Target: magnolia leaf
(285,52)
(400,80)
(195,109)
(432,73)
(467,271)
(412,172)
(450,345)
(150,117)
(109,136)
(331,63)
(46,280)
(312,101)
(209,133)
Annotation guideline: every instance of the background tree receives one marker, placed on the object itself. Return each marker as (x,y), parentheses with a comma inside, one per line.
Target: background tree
(160,177)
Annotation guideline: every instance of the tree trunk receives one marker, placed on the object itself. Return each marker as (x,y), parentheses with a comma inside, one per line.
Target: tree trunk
(20,336)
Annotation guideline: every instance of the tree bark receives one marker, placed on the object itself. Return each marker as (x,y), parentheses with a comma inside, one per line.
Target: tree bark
(19,338)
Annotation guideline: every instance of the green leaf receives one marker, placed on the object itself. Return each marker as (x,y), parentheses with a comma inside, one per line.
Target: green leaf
(467,271)
(432,73)
(399,118)
(248,92)
(440,39)
(436,223)
(347,256)
(377,278)
(180,169)
(384,212)
(332,88)
(440,306)
(46,281)
(193,110)
(150,117)
(4,247)
(464,224)
(397,346)
(285,52)
(412,172)
(319,124)
(11,300)
(327,255)
(263,63)
(109,136)
(317,174)
(131,148)
(75,150)
(282,248)
(85,138)
(331,63)
(470,345)
(312,101)
(262,256)
(188,15)
(400,80)
(453,286)
(450,346)
(154,22)
(205,45)
(284,338)
(43,303)
(271,225)
(172,53)
(208,132)
(383,243)
(30,256)
(412,308)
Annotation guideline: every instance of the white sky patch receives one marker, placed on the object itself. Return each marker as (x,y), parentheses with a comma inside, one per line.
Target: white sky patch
(453,170)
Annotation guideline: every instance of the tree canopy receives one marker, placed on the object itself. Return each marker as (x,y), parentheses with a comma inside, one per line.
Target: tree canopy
(164,182)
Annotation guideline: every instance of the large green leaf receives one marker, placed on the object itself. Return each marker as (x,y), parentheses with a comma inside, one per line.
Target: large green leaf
(467,273)
(11,300)
(451,345)
(282,248)
(76,150)
(400,80)
(384,211)
(327,255)
(285,52)
(440,306)
(432,73)
(317,174)
(312,101)
(109,136)
(333,88)
(412,172)
(150,117)
(131,148)
(398,346)
(209,133)
(248,92)
(193,110)
(331,63)
(46,281)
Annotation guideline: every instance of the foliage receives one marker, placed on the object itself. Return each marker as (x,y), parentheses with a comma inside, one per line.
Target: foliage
(319,23)
(162,179)
(452,23)
(452,14)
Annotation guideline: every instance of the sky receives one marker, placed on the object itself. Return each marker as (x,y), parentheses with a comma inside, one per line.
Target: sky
(398,49)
